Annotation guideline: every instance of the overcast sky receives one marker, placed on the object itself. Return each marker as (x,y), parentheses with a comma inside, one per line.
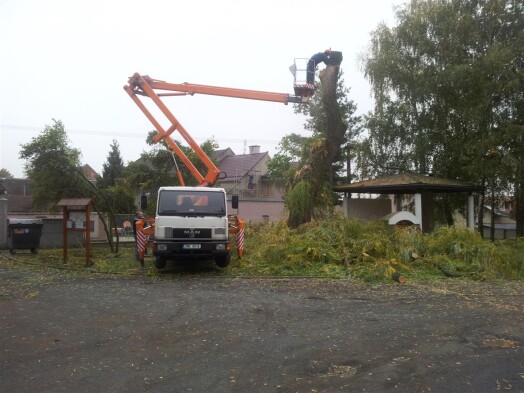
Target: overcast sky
(68,60)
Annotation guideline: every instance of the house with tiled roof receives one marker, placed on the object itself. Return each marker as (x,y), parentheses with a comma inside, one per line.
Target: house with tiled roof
(220,154)
(20,195)
(89,173)
(246,175)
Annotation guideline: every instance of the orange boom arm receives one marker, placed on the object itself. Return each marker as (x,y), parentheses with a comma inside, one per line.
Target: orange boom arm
(139,85)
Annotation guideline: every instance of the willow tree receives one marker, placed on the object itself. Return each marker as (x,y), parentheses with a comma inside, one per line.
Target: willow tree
(453,69)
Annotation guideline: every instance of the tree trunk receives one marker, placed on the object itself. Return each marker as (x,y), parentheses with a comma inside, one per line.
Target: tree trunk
(319,168)
(336,127)
(519,195)
(349,176)
(492,229)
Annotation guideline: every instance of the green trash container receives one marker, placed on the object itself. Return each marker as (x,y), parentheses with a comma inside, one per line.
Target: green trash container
(23,234)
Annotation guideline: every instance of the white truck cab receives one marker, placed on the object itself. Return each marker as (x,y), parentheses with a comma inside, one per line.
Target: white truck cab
(191,222)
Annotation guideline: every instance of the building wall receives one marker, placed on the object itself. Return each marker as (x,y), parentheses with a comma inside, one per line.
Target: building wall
(499,219)
(52,230)
(505,227)
(500,233)
(3,222)
(259,210)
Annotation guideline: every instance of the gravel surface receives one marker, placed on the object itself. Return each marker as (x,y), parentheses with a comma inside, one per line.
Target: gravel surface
(64,332)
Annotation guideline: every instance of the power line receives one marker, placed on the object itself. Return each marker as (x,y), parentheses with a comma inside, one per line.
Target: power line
(129,134)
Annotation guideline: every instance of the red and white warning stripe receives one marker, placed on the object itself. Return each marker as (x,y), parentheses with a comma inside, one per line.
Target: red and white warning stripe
(141,243)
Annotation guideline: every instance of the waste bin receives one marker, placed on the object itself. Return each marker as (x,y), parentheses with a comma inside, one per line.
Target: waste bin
(23,233)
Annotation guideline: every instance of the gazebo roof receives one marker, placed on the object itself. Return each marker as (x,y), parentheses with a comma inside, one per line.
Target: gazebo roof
(407,183)
(80,202)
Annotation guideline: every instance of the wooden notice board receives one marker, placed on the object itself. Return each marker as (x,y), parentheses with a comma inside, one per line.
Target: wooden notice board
(77,218)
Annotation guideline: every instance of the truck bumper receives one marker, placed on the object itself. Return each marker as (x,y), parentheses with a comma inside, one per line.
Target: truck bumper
(173,249)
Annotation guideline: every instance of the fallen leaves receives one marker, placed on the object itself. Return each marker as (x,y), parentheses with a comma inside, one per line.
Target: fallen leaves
(499,343)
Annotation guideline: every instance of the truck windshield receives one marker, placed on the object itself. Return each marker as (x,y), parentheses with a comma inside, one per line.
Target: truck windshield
(179,202)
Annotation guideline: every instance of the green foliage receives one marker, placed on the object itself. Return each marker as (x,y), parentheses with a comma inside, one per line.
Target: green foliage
(373,251)
(54,168)
(320,159)
(464,251)
(121,197)
(117,190)
(52,165)
(113,168)
(292,150)
(5,174)
(157,168)
(447,82)
(332,248)
(299,203)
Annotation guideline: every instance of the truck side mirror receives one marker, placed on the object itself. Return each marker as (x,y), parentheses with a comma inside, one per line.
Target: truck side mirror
(143,202)
(234,201)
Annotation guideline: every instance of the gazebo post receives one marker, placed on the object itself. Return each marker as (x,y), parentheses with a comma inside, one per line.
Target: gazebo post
(88,235)
(345,203)
(418,209)
(471,211)
(64,229)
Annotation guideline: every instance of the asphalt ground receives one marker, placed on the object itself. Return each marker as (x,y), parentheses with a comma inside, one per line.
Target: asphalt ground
(64,332)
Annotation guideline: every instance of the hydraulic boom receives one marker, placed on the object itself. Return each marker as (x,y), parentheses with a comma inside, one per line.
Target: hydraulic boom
(139,85)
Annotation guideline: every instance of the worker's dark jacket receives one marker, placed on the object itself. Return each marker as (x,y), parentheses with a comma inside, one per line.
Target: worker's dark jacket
(318,58)
(312,63)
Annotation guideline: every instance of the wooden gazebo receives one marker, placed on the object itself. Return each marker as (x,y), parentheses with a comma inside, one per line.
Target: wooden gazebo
(421,186)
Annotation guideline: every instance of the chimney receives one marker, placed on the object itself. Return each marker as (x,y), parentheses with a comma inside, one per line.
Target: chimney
(254,149)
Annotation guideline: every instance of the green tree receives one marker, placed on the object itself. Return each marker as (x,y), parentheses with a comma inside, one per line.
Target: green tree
(121,197)
(324,155)
(158,168)
(115,187)
(54,168)
(447,82)
(292,149)
(113,168)
(318,123)
(5,174)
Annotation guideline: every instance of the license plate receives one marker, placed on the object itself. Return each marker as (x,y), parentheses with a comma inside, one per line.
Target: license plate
(191,246)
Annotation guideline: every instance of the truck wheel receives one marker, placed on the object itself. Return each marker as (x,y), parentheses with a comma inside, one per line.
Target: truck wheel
(33,251)
(12,251)
(223,260)
(160,262)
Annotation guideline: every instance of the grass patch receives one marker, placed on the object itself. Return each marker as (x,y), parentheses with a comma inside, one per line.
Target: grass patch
(102,259)
(331,248)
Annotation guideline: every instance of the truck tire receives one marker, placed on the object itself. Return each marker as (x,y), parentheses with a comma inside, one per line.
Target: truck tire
(223,260)
(160,262)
